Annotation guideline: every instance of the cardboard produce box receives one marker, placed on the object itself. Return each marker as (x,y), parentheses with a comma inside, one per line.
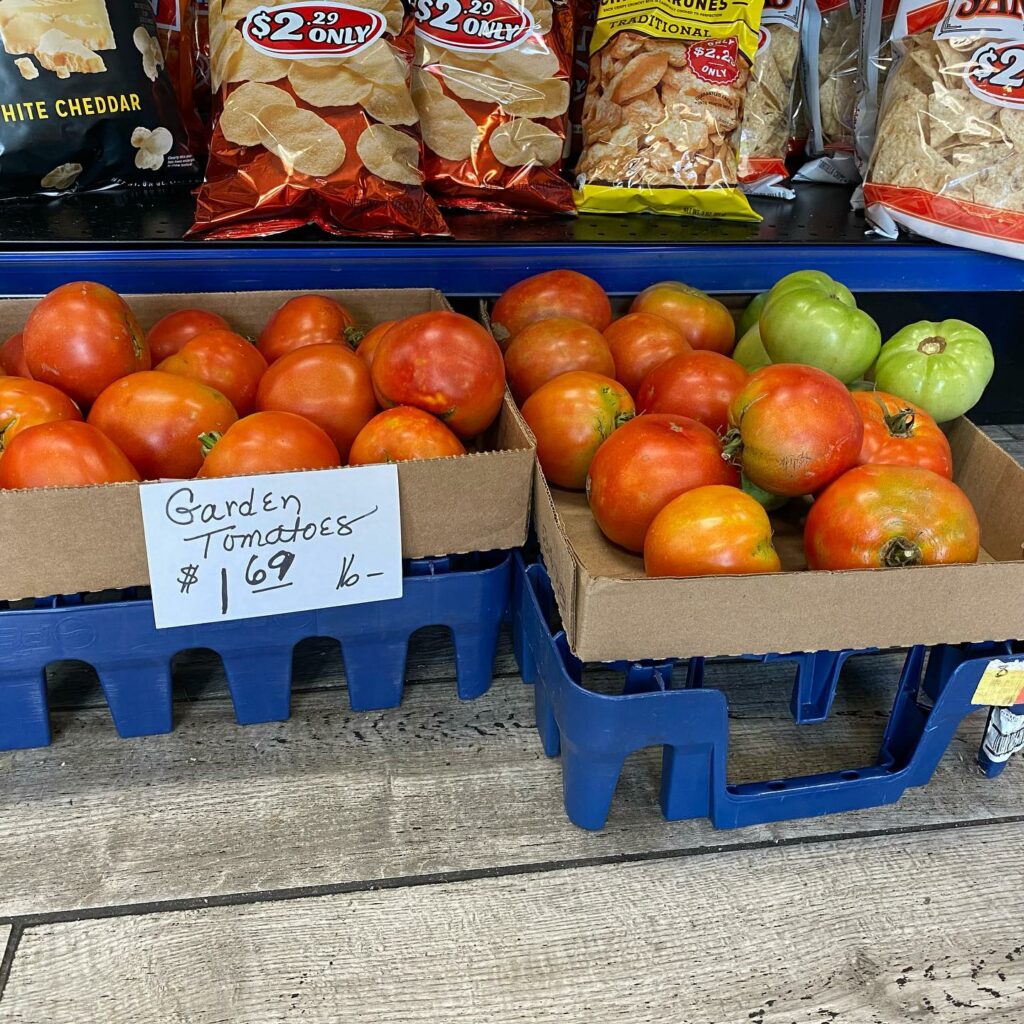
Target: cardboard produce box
(67,540)
(610,610)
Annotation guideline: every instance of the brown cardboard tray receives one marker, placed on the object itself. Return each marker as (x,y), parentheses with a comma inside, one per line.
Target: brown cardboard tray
(67,540)
(611,611)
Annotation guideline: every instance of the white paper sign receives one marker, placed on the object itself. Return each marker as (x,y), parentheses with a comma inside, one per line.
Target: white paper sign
(246,546)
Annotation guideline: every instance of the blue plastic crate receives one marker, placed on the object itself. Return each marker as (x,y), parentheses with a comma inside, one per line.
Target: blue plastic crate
(594,733)
(468,594)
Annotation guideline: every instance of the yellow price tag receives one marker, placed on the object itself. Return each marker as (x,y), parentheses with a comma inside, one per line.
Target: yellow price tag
(1002,684)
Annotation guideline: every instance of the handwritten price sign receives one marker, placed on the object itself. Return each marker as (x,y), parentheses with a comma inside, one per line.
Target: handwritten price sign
(247,546)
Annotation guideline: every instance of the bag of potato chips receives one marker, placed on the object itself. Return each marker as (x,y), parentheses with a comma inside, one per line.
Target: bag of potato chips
(948,161)
(175,29)
(768,114)
(313,121)
(491,85)
(663,109)
(85,102)
(828,52)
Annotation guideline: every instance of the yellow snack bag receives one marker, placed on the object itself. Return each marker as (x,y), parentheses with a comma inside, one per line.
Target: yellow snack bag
(664,105)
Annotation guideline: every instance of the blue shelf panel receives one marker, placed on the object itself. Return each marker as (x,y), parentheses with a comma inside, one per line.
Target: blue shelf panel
(133,241)
(467,270)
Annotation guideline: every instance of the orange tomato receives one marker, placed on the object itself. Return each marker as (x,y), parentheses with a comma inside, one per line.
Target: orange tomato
(544,349)
(710,531)
(170,333)
(899,433)
(445,364)
(367,347)
(156,419)
(886,516)
(328,384)
(12,357)
(63,453)
(555,293)
(703,321)
(267,442)
(304,320)
(221,360)
(641,342)
(571,416)
(644,465)
(402,434)
(27,403)
(82,337)
(701,385)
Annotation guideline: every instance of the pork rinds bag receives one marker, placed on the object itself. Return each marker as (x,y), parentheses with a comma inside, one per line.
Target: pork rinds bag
(313,121)
(491,84)
(664,106)
(768,114)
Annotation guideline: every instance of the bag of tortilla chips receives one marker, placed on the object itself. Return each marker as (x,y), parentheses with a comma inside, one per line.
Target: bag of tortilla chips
(948,160)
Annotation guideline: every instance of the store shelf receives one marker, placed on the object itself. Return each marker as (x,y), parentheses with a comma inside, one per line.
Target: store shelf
(134,241)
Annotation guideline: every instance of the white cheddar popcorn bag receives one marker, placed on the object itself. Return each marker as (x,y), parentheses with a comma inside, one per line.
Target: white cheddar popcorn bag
(84,100)
(829,45)
(948,158)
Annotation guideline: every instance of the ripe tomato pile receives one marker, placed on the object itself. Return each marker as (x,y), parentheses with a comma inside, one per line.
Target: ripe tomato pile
(87,397)
(685,438)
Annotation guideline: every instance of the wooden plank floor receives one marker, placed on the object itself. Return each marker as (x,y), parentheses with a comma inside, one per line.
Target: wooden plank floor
(416,865)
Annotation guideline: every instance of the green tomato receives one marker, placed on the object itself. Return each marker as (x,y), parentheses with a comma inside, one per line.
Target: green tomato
(813,320)
(749,352)
(768,501)
(748,318)
(943,367)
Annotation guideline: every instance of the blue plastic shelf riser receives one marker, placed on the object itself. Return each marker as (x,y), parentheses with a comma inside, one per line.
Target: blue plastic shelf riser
(595,733)
(133,659)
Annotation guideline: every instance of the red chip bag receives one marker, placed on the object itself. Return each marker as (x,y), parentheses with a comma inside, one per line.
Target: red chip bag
(492,84)
(314,121)
(175,28)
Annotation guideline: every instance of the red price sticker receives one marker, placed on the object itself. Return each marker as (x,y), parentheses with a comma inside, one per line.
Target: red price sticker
(473,24)
(313,29)
(714,61)
(996,74)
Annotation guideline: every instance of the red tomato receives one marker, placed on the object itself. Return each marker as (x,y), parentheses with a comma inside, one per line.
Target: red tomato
(899,433)
(367,347)
(885,516)
(799,428)
(268,442)
(543,350)
(570,417)
(82,337)
(156,420)
(445,364)
(644,465)
(641,342)
(12,357)
(224,361)
(556,293)
(703,321)
(701,385)
(328,384)
(170,333)
(304,320)
(402,434)
(710,531)
(27,403)
(64,453)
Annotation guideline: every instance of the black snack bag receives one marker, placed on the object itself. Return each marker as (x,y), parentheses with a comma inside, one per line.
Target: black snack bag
(85,102)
